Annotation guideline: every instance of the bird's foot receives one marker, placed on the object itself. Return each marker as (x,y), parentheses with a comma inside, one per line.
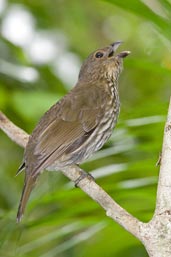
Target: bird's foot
(83,175)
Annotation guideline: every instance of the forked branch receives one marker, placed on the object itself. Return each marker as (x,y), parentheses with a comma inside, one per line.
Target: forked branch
(156,234)
(88,185)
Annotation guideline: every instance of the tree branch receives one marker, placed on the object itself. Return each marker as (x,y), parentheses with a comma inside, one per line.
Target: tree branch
(156,234)
(163,203)
(89,186)
(16,134)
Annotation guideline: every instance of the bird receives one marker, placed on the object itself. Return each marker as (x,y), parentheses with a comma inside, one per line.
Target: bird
(78,124)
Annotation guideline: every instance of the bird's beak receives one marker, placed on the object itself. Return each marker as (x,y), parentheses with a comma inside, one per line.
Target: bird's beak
(123,54)
(115,46)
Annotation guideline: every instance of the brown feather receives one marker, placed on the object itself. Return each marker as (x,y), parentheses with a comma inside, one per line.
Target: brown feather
(80,123)
(50,142)
(28,187)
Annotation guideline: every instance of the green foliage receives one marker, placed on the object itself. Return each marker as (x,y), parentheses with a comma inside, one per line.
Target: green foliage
(61,220)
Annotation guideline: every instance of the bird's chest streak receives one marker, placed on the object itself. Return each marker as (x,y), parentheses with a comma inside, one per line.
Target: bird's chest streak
(103,130)
(109,120)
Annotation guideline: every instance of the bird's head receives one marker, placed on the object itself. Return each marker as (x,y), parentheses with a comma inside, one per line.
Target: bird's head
(103,64)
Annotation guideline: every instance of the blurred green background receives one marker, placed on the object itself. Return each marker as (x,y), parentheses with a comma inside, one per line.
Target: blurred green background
(42,46)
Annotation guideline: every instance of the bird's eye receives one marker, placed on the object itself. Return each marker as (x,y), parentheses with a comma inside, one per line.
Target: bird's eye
(99,55)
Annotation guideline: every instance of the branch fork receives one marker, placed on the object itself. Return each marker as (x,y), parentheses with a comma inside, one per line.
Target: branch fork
(156,234)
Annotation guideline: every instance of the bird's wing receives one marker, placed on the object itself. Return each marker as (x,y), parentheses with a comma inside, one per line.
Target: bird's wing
(72,121)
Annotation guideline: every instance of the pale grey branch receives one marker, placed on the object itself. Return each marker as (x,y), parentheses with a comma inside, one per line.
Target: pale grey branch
(163,203)
(89,186)
(16,134)
(156,234)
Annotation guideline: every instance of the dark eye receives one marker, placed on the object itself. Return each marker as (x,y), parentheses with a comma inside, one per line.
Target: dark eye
(99,55)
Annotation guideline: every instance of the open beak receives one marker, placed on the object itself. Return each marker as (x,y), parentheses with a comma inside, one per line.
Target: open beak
(114,47)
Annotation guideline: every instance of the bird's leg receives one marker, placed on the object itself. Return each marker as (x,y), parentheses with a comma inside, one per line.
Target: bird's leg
(83,175)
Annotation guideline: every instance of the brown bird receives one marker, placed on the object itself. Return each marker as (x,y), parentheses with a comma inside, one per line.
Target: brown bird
(80,123)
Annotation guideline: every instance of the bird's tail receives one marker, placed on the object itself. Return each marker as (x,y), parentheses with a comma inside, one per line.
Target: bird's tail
(29,184)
